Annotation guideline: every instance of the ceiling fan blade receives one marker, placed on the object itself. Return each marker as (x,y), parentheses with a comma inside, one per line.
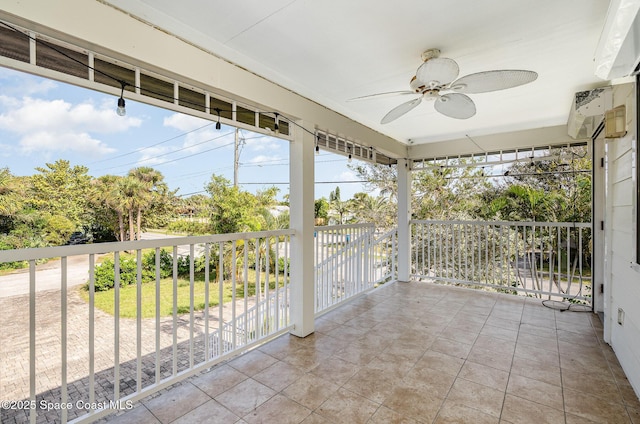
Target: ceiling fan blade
(437,71)
(381,95)
(484,82)
(398,111)
(455,105)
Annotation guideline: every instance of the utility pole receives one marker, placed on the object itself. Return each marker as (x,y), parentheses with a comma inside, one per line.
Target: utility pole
(239,141)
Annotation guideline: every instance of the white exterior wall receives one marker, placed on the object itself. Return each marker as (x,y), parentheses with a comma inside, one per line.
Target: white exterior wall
(621,275)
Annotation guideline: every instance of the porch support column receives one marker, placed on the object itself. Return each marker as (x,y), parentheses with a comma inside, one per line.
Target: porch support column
(301,216)
(404,215)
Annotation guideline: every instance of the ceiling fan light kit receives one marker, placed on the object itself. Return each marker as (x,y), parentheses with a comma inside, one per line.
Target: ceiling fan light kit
(436,80)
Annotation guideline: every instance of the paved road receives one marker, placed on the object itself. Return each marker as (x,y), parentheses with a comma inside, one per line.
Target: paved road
(48,275)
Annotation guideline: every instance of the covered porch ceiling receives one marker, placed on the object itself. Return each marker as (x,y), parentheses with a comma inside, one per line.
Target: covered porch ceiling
(333,51)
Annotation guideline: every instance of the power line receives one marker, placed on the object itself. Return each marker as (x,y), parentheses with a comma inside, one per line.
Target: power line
(150,146)
(164,154)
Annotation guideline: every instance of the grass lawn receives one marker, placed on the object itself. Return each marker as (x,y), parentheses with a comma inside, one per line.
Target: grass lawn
(105,300)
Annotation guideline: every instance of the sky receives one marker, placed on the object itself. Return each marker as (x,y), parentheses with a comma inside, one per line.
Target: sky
(43,120)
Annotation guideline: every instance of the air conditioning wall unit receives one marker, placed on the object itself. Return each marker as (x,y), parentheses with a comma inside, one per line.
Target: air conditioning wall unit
(587,111)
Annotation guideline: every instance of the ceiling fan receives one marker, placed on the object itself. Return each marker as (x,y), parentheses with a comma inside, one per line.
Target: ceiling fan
(438,75)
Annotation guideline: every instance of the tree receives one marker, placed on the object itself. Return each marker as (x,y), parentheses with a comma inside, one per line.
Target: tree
(11,199)
(231,209)
(337,206)
(367,208)
(152,186)
(62,190)
(321,211)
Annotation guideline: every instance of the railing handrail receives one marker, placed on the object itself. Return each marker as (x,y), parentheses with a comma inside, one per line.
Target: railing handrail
(505,223)
(118,246)
(383,236)
(343,226)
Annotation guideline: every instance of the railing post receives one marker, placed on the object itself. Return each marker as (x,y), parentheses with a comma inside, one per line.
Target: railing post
(301,177)
(404,214)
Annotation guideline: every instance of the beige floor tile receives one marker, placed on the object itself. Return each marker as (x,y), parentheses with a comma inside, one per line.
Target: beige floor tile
(629,396)
(550,333)
(278,409)
(573,419)
(252,362)
(371,383)
(451,347)
(521,411)
(535,391)
(634,414)
(417,404)
(440,362)
(306,358)
(453,413)
(494,358)
(548,343)
(499,332)
(315,418)
(495,343)
(485,375)
(385,415)
(279,375)
(218,380)
(588,340)
(582,382)
(477,396)
(347,407)
(536,354)
(138,415)
(356,353)
(391,365)
(508,323)
(310,391)
(335,370)
(405,352)
(245,397)
(462,336)
(176,402)
(594,408)
(432,381)
(536,370)
(210,411)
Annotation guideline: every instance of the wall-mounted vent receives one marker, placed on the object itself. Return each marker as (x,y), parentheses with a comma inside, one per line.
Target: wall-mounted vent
(587,112)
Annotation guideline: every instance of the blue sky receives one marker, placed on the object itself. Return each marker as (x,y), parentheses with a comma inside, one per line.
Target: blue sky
(43,120)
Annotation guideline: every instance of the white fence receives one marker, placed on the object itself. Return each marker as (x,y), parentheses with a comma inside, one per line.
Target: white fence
(350,260)
(226,292)
(549,260)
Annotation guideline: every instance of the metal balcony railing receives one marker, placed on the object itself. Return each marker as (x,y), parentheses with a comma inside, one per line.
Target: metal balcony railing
(225,293)
(548,260)
(350,260)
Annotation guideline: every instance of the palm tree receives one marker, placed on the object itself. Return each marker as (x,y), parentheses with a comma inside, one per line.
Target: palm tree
(150,179)
(339,207)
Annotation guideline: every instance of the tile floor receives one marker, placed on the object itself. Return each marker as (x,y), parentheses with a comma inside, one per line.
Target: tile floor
(415,353)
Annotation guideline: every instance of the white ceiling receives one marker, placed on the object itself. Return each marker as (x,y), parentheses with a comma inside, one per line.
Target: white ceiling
(334,50)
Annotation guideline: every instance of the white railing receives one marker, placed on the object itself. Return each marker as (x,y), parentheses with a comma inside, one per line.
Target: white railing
(70,346)
(549,260)
(349,260)
(385,256)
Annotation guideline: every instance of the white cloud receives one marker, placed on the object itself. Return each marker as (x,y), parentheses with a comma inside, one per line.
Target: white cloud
(61,142)
(258,144)
(347,176)
(184,122)
(56,125)
(265,159)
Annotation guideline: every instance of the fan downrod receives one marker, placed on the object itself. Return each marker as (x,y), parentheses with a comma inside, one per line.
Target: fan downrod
(430,54)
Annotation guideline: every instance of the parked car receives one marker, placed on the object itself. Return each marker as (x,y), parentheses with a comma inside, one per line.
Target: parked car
(78,237)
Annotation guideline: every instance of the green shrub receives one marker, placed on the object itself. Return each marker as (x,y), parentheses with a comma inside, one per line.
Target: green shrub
(189,227)
(105,274)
